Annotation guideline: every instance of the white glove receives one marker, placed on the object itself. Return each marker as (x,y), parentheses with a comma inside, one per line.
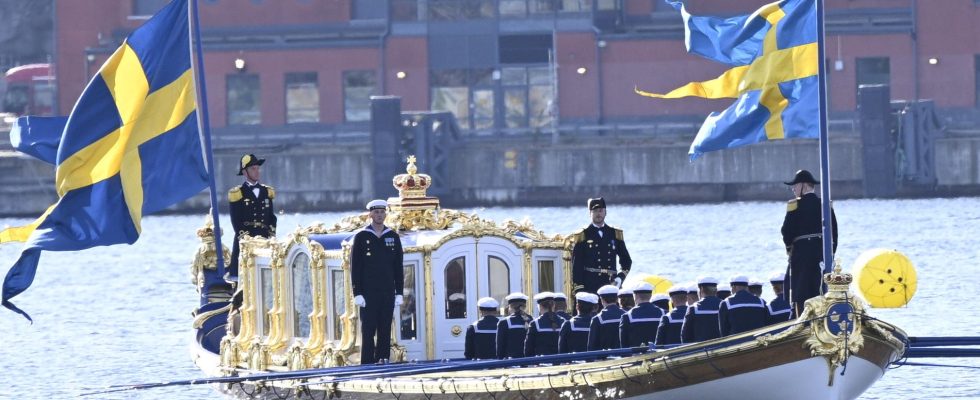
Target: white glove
(359,301)
(398,300)
(619,282)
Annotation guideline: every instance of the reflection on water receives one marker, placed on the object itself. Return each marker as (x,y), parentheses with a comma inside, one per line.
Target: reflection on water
(121,314)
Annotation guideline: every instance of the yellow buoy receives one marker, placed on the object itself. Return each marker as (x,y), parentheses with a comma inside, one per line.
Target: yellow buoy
(886,278)
(660,284)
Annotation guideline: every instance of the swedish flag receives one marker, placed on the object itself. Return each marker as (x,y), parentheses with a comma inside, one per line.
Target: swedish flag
(131,146)
(773,52)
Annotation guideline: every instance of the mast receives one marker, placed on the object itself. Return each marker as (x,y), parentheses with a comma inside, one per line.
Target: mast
(828,245)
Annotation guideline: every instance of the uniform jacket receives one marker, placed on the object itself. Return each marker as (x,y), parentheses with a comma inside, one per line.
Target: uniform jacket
(669,330)
(574,335)
(481,339)
(604,329)
(779,310)
(803,217)
(701,321)
(639,325)
(251,214)
(376,264)
(742,312)
(511,333)
(542,335)
(594,258)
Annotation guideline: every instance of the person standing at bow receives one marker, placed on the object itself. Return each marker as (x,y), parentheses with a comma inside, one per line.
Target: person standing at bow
(378,280)
(802,236)
(251,208)
(596,248)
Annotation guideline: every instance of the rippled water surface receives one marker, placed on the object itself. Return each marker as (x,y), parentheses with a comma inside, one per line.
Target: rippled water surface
(121,314)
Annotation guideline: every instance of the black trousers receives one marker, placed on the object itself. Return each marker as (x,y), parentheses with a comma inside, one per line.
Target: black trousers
(804,276)
(376,325)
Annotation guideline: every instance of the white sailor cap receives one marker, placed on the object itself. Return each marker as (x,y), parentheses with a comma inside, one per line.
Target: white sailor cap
(587,297)
(487,302)
(724,287)
(659,297)
(608,289)
(692,288)
(739,279)
(457,297)
(677,289)
(755,282)
(625,291)
(560,296)
(707,280)
(777,277)
(377,204)
(642,286)
(516,296)
(544,296)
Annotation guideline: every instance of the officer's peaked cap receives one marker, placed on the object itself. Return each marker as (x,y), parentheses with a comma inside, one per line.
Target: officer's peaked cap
(488,303)
(249,160)
(607,290)
(802,176)
(597,202)
(739,280)
(377,204)
(514,297)
(587,297)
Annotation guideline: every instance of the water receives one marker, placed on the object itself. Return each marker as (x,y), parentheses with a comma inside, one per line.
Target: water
(121,314)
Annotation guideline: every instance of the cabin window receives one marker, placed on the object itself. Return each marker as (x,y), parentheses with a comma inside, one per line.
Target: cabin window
(546,276)
(339,301)
(302,98)
(243,99)
(358,88)
(302,295)
(456,288)
(265,280)
(409,315)
(499,277)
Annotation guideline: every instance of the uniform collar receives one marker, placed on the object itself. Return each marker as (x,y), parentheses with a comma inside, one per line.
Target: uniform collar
(597,226)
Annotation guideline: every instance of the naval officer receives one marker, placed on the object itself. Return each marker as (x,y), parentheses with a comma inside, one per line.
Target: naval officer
(638,326)
(604,329)
(481,336)
(802,234)
(251,207)
(377,279)
(701,320)
(574,335)
(596,250)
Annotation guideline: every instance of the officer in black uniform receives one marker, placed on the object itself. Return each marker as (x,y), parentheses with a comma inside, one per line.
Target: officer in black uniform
(802,235)
(604,329)
(512,329)
(742,311)
(481,336)
(779,309)
(639,325)
(251,208)
(701,320)
(596,248)
(542,333)
(378,280)
(561,306)
(574,335)
(669,331)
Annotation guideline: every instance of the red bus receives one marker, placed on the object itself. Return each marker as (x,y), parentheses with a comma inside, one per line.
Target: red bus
(28,90)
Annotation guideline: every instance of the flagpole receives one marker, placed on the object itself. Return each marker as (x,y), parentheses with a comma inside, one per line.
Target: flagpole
(205,124)
(828,246)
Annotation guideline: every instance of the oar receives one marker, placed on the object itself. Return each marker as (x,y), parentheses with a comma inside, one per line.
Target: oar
(942,352)
(935,341)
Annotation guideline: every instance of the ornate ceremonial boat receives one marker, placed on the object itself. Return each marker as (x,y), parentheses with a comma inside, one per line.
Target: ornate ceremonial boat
(295,334)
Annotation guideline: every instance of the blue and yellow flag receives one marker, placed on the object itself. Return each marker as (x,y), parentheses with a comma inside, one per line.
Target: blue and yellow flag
(130,147)
(773,52)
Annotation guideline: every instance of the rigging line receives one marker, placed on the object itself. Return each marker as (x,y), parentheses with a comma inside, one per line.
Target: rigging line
(455,390)
(276,393)
(712,363)
(671,370)
(427,396)
(519,391)
(622,369)
(391,388)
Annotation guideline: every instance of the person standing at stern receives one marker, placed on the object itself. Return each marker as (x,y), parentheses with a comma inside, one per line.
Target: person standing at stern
(251,208)
(802,235)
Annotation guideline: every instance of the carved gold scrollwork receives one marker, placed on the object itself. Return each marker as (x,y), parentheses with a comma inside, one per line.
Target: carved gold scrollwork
(835,343)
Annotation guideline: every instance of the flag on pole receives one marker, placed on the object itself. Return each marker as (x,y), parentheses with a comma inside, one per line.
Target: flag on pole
(130,147)
(773,52)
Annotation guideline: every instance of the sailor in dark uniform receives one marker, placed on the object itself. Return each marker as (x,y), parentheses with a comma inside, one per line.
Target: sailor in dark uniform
(604,329)
(638,327)
(596,248)
(512,329)
(251,208)
(779,310)
(755,287)
(742,311)
(481,336)
(669,331)
(542,333)
(693,295)
(626,301)
(561,306)
(377,280)
(662,301)
(724,290)
(802,234)
(574,335)
(701,320)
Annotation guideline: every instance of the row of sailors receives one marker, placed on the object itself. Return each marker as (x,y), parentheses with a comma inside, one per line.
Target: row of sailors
(642,319)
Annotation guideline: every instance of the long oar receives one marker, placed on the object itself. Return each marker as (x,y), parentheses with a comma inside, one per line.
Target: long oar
(936,341)
(916,352)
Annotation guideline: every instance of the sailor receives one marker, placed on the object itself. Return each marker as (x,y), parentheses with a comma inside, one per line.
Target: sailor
(669,331)
(512,329)
(743,311)
(251,208)
(701,320)
(377,279)
(542,333)
(755,287)
(802,234)
(626,301)
(604,328)
(574,335)
(561,305)
(638,327)
(724,290)
(661,300)
(779,310)
(456,307)
(481,336)
(693,296)
(597,247)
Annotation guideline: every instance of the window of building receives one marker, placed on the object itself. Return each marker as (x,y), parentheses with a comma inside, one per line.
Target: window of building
(575,5)
(302,98)
(456,289)
(525,49)
(607,4)
(499,278)
(148,7)
(243,99)
(468,94)
(449,10)
(302,295)
(409,308)
(873,71)
(358,88)
(546,276)
(528,96)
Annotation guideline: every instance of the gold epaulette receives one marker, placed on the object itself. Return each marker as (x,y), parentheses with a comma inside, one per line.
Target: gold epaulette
(619,233)
(272,192)
(578,236)
(235,194)
(791,205)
